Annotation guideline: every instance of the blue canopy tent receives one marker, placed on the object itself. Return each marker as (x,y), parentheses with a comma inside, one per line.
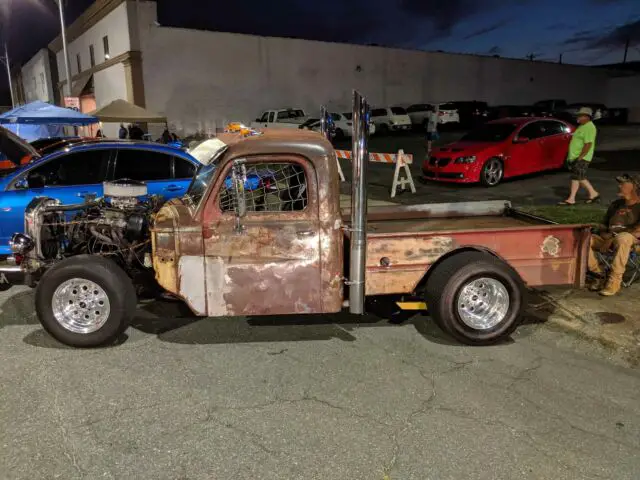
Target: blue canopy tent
(42,120)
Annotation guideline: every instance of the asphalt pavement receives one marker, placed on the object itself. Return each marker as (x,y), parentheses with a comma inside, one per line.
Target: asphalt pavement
(310,398)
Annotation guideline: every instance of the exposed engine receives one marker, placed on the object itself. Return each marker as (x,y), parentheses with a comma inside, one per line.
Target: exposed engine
(116,225)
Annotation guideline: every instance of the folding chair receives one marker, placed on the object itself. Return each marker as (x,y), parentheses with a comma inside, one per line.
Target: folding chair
(633,265)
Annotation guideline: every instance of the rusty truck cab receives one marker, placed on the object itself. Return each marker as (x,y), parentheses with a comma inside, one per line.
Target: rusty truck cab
(278,257)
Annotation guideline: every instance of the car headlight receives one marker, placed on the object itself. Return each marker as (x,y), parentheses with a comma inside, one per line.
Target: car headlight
(21,243)
(465,160)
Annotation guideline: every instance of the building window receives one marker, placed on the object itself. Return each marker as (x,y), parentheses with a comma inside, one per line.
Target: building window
(92,58)
(79,64)
(42,83)
(105,44)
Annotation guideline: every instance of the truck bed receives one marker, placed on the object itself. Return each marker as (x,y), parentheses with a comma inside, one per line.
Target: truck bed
(404,241)
(448,224)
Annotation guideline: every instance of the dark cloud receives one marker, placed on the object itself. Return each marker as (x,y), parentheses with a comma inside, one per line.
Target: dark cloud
(386,22)
(558,26)
(443,14)
(613,38)
(485,30)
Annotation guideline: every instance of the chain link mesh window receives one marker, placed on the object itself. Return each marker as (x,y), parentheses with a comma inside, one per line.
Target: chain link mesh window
(268,187)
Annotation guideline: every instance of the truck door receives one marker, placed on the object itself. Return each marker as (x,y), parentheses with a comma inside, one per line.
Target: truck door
(272,265)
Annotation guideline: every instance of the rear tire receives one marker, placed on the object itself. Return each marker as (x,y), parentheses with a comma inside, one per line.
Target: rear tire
(475,297)
(492,172)
(339,134)
(85,301)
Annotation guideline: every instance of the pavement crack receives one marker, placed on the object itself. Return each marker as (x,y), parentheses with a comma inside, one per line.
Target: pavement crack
(254,438)
(67,441)
(306,398)
(395,437)
(525,374)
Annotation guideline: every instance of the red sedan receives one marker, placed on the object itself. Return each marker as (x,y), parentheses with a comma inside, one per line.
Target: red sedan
(504,148)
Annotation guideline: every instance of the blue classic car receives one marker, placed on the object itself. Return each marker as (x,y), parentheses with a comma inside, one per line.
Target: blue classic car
(78,171)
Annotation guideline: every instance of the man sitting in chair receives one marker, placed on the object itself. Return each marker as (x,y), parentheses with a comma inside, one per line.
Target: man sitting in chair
(619,235)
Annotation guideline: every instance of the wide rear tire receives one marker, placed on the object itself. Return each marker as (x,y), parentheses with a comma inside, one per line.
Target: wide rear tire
(85,301)
(475,297)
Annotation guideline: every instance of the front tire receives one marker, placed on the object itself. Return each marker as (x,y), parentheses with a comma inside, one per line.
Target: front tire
(85,301)
(492,172)
(475,297)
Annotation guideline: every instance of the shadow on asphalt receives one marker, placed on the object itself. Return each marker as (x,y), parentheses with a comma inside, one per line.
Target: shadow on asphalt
(18,310)
(173,322)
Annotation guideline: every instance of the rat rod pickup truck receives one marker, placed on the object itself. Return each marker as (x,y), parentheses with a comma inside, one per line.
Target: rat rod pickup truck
(286,247)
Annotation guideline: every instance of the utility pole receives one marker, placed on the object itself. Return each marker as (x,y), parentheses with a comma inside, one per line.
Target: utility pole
(560,59)
(6,62)
(626,49)
(64,46)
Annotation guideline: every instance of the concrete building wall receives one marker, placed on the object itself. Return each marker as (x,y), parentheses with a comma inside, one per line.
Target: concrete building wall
(37,79)
(115,26)
(109,85)
(624,92)
(200,79)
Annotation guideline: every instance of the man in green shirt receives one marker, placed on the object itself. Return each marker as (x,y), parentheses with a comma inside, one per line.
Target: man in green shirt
(581,148)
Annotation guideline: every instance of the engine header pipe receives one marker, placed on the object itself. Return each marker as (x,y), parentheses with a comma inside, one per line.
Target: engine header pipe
(358,244)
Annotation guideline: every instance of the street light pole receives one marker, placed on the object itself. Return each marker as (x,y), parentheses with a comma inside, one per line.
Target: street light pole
(64,46)
(6,62)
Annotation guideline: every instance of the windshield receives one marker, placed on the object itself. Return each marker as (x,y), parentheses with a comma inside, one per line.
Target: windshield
(347,115)
(290,114)
(398,111)
(203,178)
(200,183)
(491,132)
(14,148)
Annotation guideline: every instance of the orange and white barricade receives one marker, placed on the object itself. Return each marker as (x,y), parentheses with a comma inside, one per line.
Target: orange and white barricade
(401,160)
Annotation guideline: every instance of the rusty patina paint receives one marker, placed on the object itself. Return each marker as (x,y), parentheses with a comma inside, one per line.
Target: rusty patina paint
(542,254)
(292,262)
(408,258)
(283,262)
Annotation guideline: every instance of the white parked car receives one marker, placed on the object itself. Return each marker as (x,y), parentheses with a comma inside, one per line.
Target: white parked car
(418,113)
(284,118)
(343,125)
(448,113)
(392,119)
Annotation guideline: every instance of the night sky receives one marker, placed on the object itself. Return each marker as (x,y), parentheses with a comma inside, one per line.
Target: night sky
(584,31)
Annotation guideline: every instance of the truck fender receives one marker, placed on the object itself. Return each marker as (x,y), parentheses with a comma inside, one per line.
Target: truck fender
(465,248)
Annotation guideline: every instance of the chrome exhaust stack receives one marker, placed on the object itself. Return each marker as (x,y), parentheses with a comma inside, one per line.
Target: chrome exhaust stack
(324,123)
(358,239)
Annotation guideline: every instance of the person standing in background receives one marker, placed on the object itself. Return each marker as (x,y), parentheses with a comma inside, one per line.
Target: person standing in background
(122,133)
(432,127)
(581,148)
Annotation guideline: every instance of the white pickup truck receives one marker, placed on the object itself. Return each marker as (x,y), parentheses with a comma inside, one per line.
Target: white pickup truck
(285,118)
